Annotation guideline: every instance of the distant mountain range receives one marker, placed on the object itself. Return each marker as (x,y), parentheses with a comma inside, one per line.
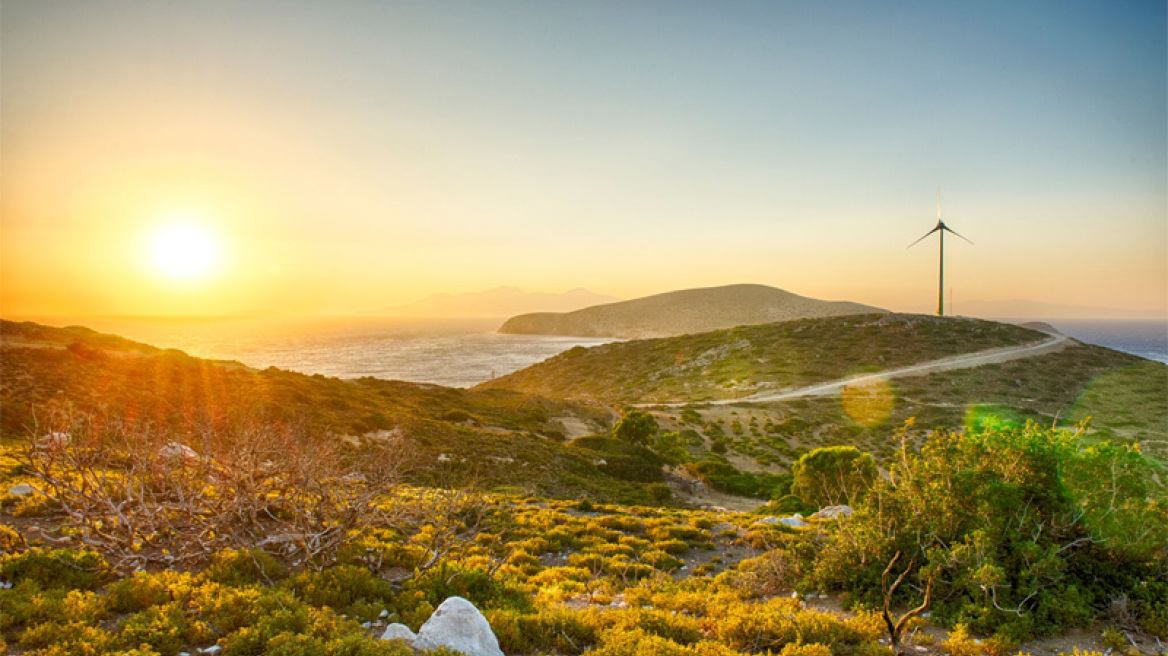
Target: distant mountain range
(1023,309)
(498,302)
(683,312)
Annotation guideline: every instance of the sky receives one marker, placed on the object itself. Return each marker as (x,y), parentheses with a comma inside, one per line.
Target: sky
(220,157)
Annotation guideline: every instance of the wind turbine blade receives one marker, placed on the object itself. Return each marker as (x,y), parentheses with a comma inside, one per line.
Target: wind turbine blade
(948,229)
(926,235)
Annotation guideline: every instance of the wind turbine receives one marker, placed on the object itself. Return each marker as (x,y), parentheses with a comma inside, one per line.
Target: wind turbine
(941,228)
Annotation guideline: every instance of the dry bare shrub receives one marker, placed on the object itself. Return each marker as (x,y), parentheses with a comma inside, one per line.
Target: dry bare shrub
(139,495)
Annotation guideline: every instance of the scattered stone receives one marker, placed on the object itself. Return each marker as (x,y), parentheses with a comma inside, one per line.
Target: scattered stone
(384,613)
(793,522)
(213,650)
(21,490)
(459,626)
(399,632)
(767,520)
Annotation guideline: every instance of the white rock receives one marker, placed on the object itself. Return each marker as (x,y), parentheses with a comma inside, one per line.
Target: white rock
(833,512)
(21,490)
(459,626)
(55,441)
(178,451)
(213,650)
(767,520)
(794,522)
(384,613)
(399,632)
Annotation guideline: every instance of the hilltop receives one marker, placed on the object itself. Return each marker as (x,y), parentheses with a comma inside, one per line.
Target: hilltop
(683,312)
(743,361)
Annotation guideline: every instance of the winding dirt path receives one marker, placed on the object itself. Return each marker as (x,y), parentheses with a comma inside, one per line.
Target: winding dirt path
(966,361)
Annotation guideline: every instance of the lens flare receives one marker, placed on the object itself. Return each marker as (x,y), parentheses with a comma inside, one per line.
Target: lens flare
(979,417)
(868,403)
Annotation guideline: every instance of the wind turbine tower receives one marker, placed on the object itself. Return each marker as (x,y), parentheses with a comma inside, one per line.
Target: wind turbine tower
(942,229)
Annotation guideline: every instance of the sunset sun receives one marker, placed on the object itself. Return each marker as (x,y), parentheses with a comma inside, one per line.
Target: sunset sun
(184,251)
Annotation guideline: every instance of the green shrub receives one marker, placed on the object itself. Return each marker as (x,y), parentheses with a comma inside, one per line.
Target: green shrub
(345,588)
(834,475)
(141,590)
(1005,522)
(635,427)
(62,568)
(165,628)
(244,567)
(553,629)
(28,606)
(474,585)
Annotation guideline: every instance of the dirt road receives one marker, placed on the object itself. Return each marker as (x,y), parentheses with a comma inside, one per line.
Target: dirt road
(966,361)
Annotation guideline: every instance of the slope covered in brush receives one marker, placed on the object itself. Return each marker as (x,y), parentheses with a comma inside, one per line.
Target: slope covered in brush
(496,437)
(683,312)
(743,361)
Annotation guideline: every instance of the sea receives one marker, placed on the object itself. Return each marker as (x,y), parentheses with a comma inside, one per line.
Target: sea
(451,352)
(1147,339)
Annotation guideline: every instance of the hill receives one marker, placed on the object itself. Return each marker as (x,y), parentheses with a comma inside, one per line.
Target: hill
(498,302)
(493,437)
(725,378)
(683,312)
(748,360)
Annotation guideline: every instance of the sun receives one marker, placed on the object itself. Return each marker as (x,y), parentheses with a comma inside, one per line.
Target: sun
(183,250)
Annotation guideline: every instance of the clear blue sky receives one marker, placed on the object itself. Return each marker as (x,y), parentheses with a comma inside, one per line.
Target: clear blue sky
(358,154)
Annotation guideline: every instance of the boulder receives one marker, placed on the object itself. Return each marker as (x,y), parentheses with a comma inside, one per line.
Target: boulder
(53,441)
(458,626)
(399,632)
(178,451)
(833,512)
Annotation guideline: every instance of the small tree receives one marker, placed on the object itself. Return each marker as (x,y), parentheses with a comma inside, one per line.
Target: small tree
(833,475)
(635,427)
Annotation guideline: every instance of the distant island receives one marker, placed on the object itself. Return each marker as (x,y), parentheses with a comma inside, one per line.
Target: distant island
(683,312)
(498,302)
